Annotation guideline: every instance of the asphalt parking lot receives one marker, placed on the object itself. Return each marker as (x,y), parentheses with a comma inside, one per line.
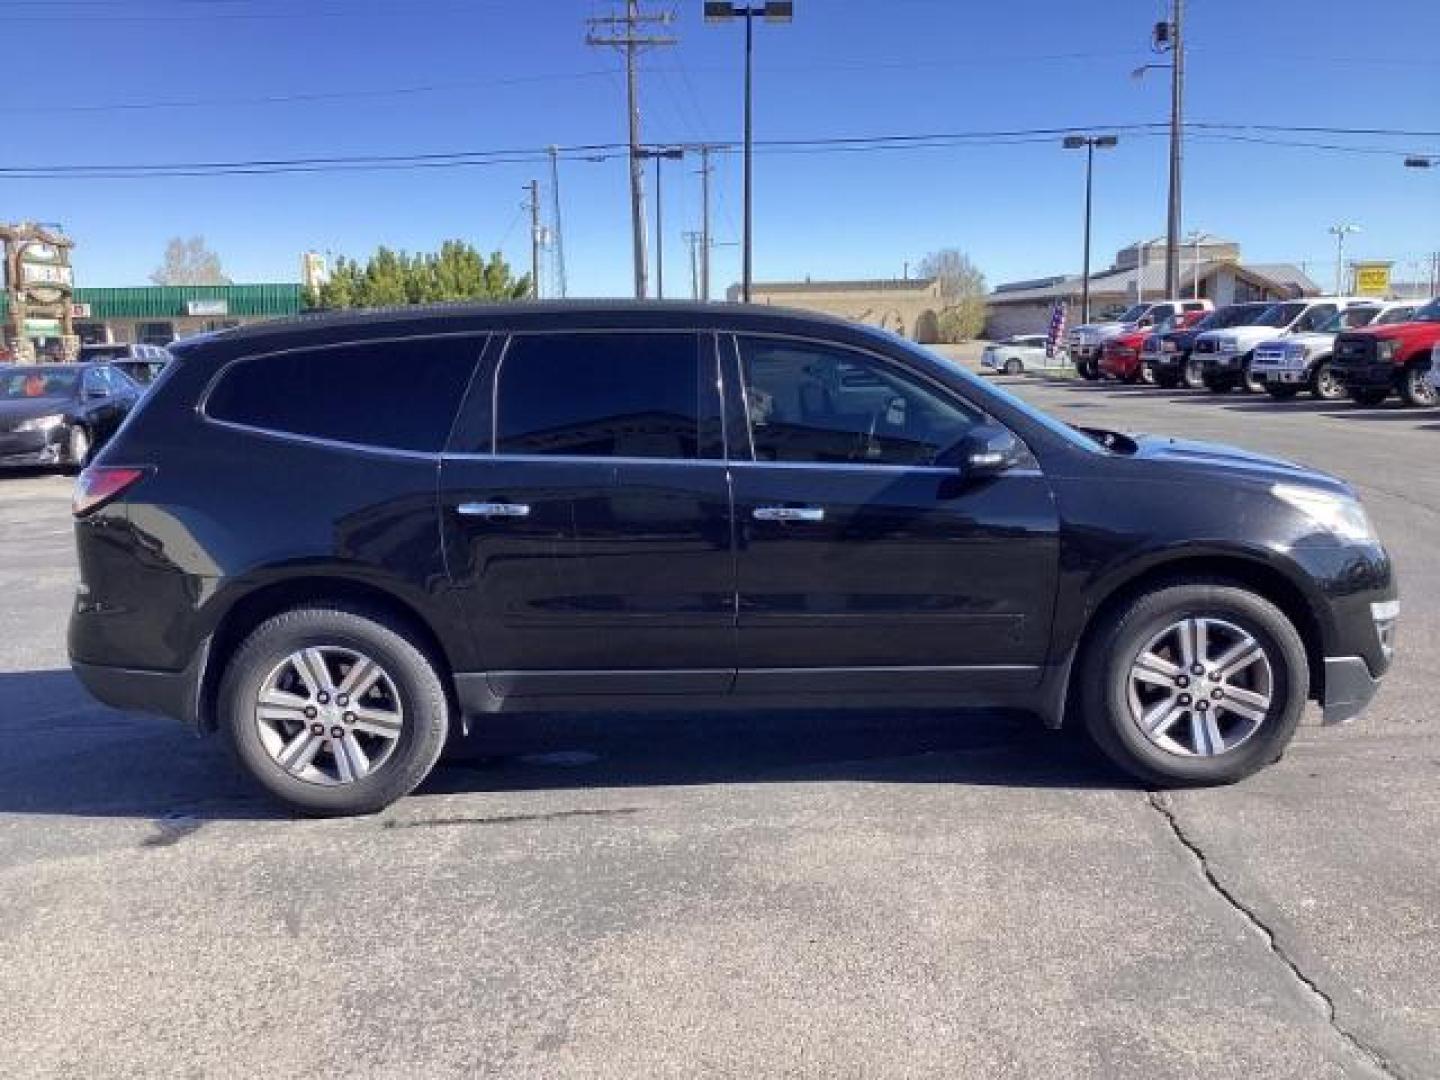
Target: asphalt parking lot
(768,895)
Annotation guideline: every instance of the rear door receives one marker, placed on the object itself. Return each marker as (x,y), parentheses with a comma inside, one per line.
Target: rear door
(861,563)
(586,514)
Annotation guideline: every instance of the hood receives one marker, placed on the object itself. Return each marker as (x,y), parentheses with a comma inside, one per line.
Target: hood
(1309,340)
(1408,333)
(13,413)
(1103,331)
(1245,335)
(1212,458)
(1131,339)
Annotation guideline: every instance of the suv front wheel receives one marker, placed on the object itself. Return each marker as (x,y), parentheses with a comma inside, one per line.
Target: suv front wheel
(1198,682)
(334,710)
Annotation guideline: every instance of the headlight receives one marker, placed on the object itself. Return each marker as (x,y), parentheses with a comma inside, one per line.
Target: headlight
(1337,514)
(1385,348)
(1228,346)
(42,423)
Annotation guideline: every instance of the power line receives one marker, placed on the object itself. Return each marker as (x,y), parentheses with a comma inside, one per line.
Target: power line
(600,152)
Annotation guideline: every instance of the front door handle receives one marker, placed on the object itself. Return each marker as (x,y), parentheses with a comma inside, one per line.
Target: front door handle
(788,513)
(493,510)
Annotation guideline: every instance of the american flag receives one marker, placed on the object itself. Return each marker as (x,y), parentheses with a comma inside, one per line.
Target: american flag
(1056,334)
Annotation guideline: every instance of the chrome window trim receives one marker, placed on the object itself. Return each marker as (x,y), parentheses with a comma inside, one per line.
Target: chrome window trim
(331,444)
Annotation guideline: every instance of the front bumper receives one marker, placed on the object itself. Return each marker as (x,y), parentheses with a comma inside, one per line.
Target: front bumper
(1373,373)
(1282,376)
(21,448)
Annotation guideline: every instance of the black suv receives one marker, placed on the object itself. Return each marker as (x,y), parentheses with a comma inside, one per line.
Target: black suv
(337,537)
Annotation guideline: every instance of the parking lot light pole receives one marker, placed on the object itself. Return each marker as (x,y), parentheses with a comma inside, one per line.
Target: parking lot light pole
(672,153)
(1088,143)
(775,11)
(1340,232)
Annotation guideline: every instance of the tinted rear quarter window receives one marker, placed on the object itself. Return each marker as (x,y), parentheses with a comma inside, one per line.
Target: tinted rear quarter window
(398,395)
(599,395)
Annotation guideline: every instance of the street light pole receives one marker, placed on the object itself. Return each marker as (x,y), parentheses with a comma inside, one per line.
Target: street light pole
(772,11)
(1088,143)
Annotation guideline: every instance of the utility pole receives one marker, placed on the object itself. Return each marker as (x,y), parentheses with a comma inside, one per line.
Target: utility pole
(1176,35)
(555,219)
(536,236)
(1340,232)
(705,170)
(694,240)
(624,32)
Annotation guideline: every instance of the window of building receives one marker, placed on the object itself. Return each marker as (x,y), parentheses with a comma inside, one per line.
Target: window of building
(401,395)
(599,395)
(815,403)
(155,333)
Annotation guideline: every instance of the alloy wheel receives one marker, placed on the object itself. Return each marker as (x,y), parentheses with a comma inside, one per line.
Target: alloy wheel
(329,715)
(1201,687)
(1327,387)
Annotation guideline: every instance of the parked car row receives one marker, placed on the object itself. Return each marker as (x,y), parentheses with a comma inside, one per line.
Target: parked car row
(1332,347)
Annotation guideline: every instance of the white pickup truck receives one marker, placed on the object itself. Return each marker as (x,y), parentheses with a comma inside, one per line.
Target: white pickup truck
(1301,361)
(1225,356)
(1087,341)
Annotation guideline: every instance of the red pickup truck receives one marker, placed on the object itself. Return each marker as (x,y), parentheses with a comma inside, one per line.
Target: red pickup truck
(1121,359)
(1372,362)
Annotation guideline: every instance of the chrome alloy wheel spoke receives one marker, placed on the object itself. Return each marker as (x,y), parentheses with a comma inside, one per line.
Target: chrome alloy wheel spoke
(329,715)
(1200,687)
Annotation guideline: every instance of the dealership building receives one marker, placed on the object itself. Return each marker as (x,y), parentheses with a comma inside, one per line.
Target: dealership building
(158,314)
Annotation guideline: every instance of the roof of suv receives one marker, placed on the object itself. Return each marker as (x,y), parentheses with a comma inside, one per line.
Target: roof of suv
(516,315)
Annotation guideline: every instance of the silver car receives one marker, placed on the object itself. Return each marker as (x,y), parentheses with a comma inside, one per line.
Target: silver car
(1022,353)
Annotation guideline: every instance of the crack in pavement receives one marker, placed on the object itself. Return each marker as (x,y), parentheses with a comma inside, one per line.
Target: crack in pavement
(1373,1057)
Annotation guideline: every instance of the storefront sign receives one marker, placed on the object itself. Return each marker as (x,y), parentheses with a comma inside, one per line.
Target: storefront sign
(80,311)
(42,328)
(1372,279)
(207,307)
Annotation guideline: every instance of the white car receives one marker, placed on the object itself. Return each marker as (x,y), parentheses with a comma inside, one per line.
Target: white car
(1021,353)
(1225,356)
(1301,361)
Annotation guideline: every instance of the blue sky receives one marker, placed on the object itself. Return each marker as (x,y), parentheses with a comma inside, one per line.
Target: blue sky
(520,75)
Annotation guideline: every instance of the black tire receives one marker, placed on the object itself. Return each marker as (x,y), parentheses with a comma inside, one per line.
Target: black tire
(1218,385)
(1166,382)
(1014,367)
(1323,383)
(1194,375)
(1089,370)
(414,674)
(1281,392)
(1369,396)
(1248,382)
(1110,651)
(1414,388)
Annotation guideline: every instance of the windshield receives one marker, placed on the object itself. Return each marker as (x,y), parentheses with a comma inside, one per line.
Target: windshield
(1395,315)
(104,352)
(1348,319)
(19,384)
(1280,315)
(1134,313)
(1429,313)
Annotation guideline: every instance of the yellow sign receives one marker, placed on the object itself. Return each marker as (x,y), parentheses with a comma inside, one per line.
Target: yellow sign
(1372,279)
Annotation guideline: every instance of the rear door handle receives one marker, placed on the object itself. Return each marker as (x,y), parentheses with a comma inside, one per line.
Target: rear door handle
(788,513)
(493,510)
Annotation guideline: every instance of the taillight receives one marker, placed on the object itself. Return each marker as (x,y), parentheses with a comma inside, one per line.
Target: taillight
(98,484)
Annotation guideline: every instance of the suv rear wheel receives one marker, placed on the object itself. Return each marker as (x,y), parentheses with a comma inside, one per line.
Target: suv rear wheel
(1194,376)
(334,711)
(1196,682)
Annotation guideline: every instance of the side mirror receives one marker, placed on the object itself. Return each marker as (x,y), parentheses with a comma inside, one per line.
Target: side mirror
(987,450)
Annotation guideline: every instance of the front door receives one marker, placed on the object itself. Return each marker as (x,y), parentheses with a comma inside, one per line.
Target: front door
(587,517)
(861,562)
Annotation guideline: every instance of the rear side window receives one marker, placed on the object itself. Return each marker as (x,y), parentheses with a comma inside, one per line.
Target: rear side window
(399,395)
(599,395)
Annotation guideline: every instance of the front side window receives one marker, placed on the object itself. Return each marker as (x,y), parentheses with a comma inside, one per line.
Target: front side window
(599,395)
(1395,315)
(810,403)
(1315,317)
(397,395)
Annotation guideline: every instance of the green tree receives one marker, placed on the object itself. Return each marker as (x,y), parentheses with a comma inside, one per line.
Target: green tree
(962,293)
(390,278)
